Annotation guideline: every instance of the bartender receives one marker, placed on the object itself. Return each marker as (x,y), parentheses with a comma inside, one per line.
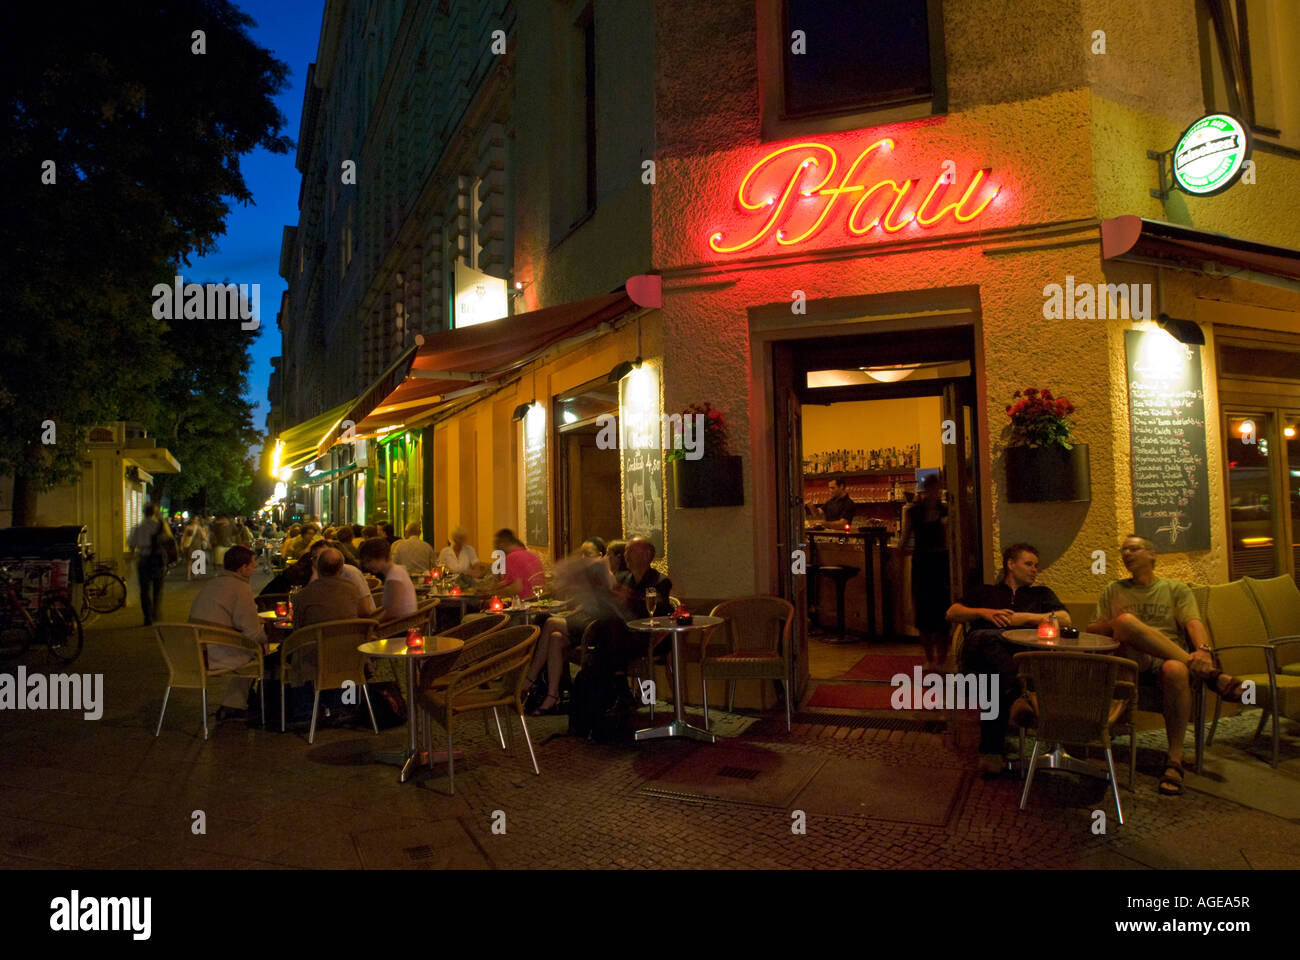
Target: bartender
(840,508)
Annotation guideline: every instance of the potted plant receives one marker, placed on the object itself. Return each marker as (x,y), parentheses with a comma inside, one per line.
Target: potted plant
(1044,464)
(714,477)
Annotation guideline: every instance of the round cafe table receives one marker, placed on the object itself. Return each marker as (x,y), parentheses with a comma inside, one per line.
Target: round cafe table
(441,652)
(1056,758)
(678,727)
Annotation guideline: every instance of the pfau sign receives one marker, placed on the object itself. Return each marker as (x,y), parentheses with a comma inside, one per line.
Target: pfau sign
(795,190)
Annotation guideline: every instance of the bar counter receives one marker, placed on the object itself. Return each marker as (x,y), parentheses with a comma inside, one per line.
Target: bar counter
(868,596)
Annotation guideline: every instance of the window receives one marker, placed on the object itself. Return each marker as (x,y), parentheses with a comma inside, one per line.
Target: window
(1249,49)
(828,65)
(573,164)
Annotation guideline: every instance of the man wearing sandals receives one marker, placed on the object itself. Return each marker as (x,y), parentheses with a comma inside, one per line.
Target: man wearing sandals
(1149,615)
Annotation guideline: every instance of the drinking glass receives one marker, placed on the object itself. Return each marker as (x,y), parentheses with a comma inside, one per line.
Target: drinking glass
(651,602)
(537,593)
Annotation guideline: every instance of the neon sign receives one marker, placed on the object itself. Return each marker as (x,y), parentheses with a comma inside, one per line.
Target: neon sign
(808,193)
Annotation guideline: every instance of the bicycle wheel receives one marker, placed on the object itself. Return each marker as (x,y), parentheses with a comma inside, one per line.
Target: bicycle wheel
(105,592)
(60,629)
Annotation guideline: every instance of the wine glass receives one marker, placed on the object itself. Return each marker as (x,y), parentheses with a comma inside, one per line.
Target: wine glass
(651,602)
(537,594)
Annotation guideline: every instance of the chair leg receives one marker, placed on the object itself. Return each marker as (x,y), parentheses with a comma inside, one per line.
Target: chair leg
(283,690)
(365,692)
(501,734)
(451,760)
(1114,785)
(315,704)
(704,689)
(785,686)
(529,740)
(164,710)
(1029,775)
(205,713)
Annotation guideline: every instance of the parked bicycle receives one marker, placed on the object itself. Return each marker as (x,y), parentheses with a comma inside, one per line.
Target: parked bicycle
(48,618)
(103,592)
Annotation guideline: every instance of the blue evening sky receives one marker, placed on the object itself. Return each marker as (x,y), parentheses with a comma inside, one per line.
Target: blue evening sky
(249,252)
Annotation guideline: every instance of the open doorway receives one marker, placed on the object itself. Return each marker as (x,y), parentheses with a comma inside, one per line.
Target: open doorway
(861,422)
(589,496)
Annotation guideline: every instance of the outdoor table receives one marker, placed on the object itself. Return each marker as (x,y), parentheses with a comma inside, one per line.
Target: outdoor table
(1056,758)
(447,600)
(678,727)
(442,653)
(529,610)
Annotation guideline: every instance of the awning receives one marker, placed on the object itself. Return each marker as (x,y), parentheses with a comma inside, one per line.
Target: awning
(300,441)
(455,360)
(360,408)
(152,458)
(1133,238)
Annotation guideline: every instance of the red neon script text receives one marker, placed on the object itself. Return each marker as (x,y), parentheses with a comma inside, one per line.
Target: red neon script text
(794,191)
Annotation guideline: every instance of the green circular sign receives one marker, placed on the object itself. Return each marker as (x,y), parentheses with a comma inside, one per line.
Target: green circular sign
(1210,155)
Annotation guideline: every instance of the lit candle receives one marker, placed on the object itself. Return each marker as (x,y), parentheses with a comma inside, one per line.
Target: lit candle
(495,605)
(455,591)
(414,639)
(1046,629)
(281,609)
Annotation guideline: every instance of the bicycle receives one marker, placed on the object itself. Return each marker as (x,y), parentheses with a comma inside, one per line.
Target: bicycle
(53,622)
(103,592)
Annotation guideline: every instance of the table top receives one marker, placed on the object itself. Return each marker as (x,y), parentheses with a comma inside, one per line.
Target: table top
(1089,642)
(670,625)
(395,648)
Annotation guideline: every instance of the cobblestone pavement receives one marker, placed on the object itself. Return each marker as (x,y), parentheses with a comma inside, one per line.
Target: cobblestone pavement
(108,794)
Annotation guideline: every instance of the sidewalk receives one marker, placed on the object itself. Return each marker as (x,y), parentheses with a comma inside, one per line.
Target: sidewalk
(82,793)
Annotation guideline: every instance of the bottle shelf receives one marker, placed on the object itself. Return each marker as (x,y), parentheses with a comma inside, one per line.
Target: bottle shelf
(890,472)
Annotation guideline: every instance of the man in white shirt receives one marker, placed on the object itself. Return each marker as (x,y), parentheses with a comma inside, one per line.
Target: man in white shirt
(414,554)
(227,601)
(460,556)
(399,593)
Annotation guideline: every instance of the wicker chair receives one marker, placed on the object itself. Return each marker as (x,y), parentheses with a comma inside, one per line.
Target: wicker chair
(1077,698)
(1233,616)
(421,619)
(337,661)
(1278,600)
(758,638)
(496,681)
(183,647)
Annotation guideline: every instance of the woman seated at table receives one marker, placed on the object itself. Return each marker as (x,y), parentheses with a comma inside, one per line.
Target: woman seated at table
(593,548)
(583,584)
(459,557)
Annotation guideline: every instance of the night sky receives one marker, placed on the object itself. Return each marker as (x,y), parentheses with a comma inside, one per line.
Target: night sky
(250,250)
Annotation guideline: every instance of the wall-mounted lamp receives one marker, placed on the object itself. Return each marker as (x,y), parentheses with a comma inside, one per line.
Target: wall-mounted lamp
(1184,331)
(521,411)
(519,286)
(621,370)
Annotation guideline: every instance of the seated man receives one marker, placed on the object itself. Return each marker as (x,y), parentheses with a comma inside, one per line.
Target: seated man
(1145,614)
(1014,601)
(399,592)
(349,573)
(416,555)
(299,545)
(327,597)
(639,577)
(227,601)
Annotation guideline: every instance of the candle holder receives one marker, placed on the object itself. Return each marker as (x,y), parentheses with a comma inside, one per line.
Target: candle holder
(414,639)
(455,591)
(1047,630)
(281,609)
(495,605)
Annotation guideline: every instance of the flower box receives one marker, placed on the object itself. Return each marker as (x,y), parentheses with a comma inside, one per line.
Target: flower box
(1048,474)
(709,482)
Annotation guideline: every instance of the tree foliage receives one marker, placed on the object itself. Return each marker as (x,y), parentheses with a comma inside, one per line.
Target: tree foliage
(146,138)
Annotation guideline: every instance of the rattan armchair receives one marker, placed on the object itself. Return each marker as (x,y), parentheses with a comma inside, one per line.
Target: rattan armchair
(183,647)
(338,662)
(1278,599)
(1077,698)
(495,681)
(1232,615)
(422,619)
(757,634)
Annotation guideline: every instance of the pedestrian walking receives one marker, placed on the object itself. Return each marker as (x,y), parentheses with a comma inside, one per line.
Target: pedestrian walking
(150,540)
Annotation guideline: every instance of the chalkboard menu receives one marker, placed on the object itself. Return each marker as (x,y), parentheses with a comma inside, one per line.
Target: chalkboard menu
(642,455)
(1171,496)
(535,517)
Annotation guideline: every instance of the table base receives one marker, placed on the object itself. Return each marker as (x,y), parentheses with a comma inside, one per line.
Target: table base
(1058,759)
(409,761)
(676,728)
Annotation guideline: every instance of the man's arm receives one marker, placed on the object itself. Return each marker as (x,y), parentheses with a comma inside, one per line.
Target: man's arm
(960,613)
(1198,637)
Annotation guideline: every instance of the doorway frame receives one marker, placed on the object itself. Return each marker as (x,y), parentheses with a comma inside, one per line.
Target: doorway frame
(561,533)
(902,313)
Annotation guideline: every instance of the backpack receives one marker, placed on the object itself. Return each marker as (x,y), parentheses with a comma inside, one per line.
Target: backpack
(600,707)
(164,547)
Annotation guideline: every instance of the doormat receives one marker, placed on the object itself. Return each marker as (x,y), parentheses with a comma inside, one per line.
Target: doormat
(926,796)
(735,773)
(440,845)
(859,696)
(882,666)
